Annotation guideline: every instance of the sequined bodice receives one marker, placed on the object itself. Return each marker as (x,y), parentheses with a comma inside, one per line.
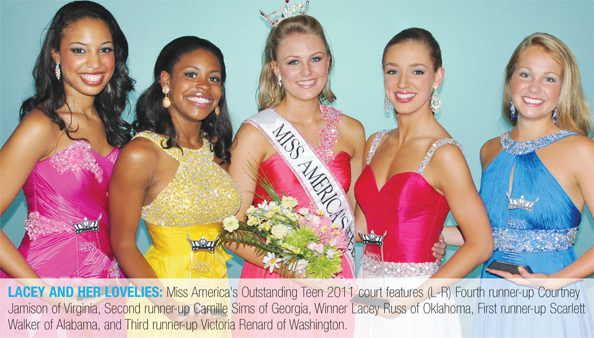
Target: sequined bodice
(407,207)
(200,193)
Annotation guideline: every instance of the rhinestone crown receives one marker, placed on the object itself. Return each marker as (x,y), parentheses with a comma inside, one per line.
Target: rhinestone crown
(203,244)
(287,11)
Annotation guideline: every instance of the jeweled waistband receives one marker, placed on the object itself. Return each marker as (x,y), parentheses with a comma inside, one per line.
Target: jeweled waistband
(372,264)
(37,226)
(527,241)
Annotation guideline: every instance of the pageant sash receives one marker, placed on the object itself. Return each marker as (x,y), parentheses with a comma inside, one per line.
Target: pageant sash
(316,179)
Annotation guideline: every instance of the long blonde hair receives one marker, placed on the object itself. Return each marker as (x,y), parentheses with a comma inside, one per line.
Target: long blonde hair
(269,92)
(573,113)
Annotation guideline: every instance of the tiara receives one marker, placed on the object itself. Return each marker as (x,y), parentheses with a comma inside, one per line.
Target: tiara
(372,238)
(86,225)
(287,11)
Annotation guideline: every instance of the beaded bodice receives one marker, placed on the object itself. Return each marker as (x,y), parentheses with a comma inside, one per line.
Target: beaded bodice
(201,192)
(329,133)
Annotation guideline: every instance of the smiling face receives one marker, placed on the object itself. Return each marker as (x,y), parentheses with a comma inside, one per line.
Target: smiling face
(86,57)
(409,78)
(302,62)
(195,86)
(536,83)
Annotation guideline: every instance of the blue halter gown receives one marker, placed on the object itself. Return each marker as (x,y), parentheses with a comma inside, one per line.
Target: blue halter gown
(535,225)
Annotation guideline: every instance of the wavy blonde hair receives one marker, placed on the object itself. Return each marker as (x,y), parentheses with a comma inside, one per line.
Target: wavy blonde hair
(573,112)
(269,92)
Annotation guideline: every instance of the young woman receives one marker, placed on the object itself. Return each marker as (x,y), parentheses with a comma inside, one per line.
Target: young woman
(416,174)
(170,174)
(536,180)
(294,87)
(65,148)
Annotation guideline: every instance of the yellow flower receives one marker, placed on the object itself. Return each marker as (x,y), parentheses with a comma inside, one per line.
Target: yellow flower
(320,213)
(324,228)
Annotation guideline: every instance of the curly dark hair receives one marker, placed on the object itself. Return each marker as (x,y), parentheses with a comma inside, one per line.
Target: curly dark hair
(49,91)
(150,114)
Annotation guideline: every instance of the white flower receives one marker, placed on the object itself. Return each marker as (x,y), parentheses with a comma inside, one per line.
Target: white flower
(279,231)
(230,223)
(318,248)
(301,265)
(333,241)
(274,207)
(320,212)
(288,202)
(251,210)
(263,205)
(252,221)
(330,253)
(270,261)
(303,211)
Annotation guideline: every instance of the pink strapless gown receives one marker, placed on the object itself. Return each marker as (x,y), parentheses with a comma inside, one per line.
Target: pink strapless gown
(69,186)
(283,180)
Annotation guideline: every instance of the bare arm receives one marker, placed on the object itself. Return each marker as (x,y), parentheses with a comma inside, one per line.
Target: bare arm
(250,147)
(129,183)
(32,140)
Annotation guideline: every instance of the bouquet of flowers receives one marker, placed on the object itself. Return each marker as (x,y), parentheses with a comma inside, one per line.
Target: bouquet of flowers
(294,240)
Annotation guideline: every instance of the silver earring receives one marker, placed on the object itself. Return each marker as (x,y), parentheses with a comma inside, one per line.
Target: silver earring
(108,88)
(555,115)
(512,109)
(435,102)
(280,81)
(387,104)
(58,71)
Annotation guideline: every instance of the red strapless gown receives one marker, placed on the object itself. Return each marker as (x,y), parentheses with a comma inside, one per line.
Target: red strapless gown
(409,209)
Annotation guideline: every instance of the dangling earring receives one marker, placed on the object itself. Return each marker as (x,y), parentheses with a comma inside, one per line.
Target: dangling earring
(280,83)
(166,100)
(58,71)
(435,102)
(108,88)
(387,104)
(555,115)
(218,111)
(512,108)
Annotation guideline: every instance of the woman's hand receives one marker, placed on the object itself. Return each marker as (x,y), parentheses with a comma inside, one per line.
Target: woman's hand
(439,250)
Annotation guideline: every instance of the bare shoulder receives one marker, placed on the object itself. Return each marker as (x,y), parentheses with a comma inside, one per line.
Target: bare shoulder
(578,145)
(249,133)
(352,124)
(490,150)
(36,124)
(447,155)
(140,152)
